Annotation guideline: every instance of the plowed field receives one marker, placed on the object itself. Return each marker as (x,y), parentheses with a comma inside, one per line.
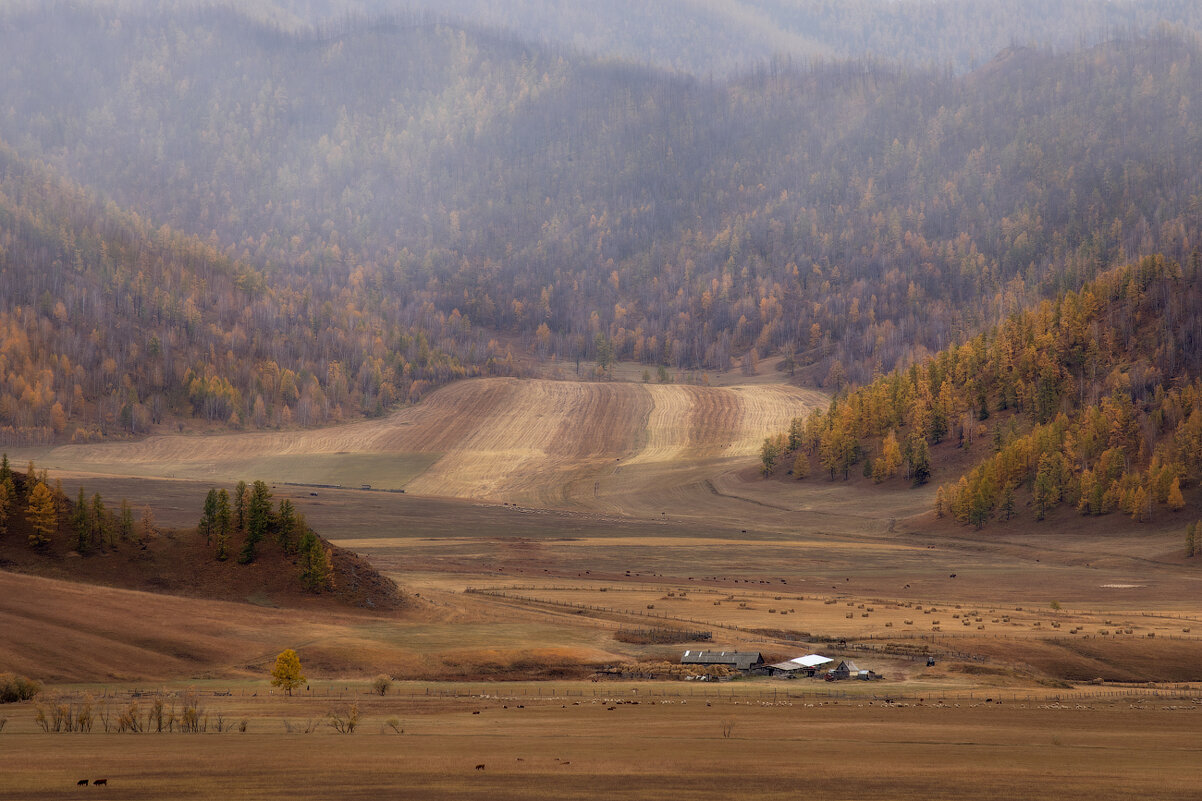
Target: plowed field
(549,443)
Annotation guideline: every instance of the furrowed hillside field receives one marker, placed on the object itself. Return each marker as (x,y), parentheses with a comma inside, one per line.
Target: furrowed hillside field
(533,441)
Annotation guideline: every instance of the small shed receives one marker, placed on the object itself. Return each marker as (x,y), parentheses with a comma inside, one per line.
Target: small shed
(744,661)
(844,670)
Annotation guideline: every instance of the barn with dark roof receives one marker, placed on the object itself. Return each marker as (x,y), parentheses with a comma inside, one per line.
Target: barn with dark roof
(744,661)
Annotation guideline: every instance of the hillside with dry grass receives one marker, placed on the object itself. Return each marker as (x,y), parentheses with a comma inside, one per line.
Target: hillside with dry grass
(531,441)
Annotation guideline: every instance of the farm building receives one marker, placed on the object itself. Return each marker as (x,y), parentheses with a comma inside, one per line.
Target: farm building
(800,666)
(745,661)
(844,670)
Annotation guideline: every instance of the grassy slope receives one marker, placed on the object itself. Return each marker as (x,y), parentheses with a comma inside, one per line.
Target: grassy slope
(548,442)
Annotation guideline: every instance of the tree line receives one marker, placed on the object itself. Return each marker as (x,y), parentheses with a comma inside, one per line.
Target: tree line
(30,502)
(248,513)
(238,523)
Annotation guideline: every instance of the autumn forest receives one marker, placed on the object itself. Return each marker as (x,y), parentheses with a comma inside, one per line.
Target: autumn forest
(441,197)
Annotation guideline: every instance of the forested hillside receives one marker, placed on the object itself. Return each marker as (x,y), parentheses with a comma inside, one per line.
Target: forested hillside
(373,202)
(1092,401)
(109,324)
(860,217)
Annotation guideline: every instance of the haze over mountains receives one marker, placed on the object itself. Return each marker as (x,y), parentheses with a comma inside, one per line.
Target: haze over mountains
(722,37)
(375,201)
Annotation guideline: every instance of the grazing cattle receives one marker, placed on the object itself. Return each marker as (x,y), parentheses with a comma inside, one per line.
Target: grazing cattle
(99,782)
(81,783)
(480,766)
(477,712)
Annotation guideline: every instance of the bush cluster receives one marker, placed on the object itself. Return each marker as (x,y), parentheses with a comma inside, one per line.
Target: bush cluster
(17,688)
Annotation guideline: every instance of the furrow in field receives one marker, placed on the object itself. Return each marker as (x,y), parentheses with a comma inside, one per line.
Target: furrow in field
(533,441)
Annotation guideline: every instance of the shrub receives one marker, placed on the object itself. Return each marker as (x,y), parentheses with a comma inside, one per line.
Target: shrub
(345,720)
(17,688)
(380,684)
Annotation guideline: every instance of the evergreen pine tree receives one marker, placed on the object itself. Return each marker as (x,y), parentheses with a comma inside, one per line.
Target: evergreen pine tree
(221,519)
(920,463)
(241,497)
(285,527)
(258,520)
(101,530)
(126,529)
(80,524)
(208,517)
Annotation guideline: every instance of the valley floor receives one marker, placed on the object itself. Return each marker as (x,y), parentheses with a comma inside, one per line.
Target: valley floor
(543,572)
(583,741)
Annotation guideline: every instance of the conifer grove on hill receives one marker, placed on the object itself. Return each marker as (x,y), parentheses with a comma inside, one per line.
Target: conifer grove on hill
(1091,401)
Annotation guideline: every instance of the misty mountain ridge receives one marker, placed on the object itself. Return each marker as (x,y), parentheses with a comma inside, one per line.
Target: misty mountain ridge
(727,37)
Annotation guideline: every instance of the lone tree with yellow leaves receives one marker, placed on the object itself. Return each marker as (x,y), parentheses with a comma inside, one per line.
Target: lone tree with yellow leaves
(42,514)
(287,671)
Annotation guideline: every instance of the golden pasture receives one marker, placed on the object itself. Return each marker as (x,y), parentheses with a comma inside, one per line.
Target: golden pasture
(580,512)
(604,742)
(531,441)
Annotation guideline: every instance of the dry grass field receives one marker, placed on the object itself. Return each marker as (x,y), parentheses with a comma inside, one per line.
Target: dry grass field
(577,513)
(617,741)
(546,443)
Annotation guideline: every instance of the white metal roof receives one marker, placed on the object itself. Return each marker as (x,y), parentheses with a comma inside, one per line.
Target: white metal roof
(812,660)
